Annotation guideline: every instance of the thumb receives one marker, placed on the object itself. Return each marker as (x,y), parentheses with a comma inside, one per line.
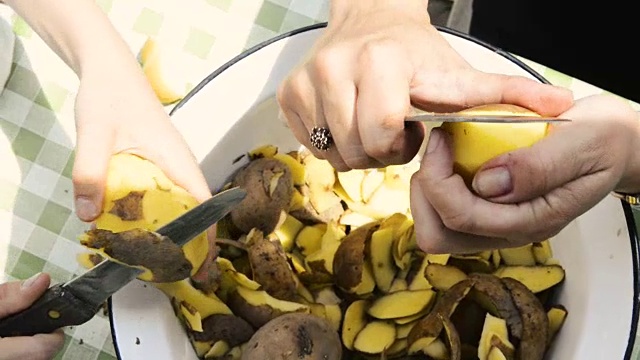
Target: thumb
(535,171)
(16,296)
(37,347)
(467,88)
(93,152)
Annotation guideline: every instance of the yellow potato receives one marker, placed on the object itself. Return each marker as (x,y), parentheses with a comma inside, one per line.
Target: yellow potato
(476,143)
(138,195)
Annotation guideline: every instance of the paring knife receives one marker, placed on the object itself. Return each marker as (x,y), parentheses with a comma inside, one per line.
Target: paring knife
(78,300)
(456,117)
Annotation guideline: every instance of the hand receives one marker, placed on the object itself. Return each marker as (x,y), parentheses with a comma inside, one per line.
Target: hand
(14,297)
(532,193)
(376,59)
(117,111)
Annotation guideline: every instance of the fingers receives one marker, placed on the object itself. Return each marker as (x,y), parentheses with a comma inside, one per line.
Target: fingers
(16,296)
(37,347)
(337,94)
(435,238)
(301,105)
(383,103)
(552,162)
(528,173)
(95,140)
(464,88)
(460,210)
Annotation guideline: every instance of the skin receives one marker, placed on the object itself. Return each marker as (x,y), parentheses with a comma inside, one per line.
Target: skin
(16,296)
(550,184)
(376,59)
(115,111)
(527,195)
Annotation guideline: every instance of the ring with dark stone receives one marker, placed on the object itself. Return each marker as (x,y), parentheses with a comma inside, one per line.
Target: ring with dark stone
(321,138)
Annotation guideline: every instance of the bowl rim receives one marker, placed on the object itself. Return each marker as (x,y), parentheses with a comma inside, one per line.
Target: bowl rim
(628,212)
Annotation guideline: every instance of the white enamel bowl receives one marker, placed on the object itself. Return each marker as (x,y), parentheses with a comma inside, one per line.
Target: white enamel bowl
(234,110)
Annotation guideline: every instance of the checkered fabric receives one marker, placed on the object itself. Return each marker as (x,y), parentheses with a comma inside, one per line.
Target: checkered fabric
(38,229)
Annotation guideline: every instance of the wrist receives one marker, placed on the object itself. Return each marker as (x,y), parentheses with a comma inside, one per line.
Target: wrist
(340,9)
(630,181)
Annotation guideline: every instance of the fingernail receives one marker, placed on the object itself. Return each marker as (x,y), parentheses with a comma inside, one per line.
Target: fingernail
(85,208)
(30,281)
(493,182)
(434,140)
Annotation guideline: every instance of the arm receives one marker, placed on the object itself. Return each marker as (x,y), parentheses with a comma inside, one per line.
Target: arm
(78,31)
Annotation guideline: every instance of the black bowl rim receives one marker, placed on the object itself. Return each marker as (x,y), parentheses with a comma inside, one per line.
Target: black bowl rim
(628,213)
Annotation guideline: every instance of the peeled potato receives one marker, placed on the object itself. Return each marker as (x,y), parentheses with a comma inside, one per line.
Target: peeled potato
(138,195)
(158,63)
(476,143)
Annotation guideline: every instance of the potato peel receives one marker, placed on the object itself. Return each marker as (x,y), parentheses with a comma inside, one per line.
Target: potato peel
(340,248)
(159,256)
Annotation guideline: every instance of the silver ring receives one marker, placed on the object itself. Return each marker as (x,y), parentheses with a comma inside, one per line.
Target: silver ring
(321,138)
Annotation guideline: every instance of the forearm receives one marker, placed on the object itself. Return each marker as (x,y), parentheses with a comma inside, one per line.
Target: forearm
(77,30)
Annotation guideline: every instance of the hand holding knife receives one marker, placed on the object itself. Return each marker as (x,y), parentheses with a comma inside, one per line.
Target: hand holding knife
(78,300)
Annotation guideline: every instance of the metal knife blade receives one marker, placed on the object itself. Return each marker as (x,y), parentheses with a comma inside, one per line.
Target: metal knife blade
(78,300)
(483,118)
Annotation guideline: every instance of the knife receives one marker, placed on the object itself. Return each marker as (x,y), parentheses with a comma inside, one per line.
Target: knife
(78,300)
(456,117)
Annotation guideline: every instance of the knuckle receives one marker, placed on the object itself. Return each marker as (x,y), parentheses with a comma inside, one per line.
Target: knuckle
(356,161)
(292,88)
(373,53)
(377,150)
(458,220)
(83,180)
(389,149)
(431,240)
(327,60)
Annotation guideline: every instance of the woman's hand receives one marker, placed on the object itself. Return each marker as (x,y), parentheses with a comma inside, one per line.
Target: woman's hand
(117,111)
(116,108)
(376,59)
(532,193)
(14,297)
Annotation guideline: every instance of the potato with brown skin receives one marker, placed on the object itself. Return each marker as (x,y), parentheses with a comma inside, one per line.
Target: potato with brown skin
(229,328)
(294,336)
(349,259)
(162,260)
(270,266)
(535,324)
(269,187)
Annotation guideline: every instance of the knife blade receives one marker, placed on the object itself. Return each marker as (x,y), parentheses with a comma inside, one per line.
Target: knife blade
(483,118)
(78,300)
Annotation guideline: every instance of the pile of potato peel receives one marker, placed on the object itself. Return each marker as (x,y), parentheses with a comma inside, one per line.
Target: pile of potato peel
(316,264)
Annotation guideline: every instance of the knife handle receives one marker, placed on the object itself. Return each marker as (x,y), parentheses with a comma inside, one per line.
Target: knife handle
(55,309)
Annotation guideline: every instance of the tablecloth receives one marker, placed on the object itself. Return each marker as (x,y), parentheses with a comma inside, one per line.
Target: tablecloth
(38,229)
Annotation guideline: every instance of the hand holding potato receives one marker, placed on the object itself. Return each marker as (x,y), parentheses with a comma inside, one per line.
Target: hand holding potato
(531,193)
(14,297)
(375,60)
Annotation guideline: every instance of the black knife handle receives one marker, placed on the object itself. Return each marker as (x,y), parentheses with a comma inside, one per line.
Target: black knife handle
(55,309)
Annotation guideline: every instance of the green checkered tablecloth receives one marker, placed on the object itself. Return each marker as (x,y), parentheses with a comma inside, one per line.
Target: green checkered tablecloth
(38,229)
